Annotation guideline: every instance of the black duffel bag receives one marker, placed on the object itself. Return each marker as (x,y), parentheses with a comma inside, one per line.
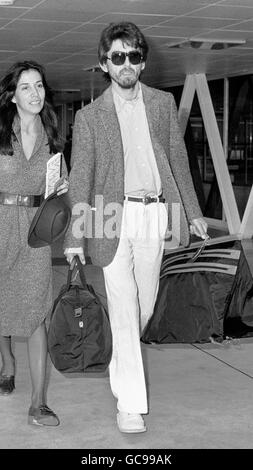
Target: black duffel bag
(79,335)
(203,295)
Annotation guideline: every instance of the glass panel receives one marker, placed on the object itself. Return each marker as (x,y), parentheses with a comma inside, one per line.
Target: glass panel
(211,206)
(240,156)
(240,144)
(200,159)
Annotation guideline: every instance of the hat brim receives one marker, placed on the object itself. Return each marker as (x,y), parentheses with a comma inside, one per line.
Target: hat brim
(50,222)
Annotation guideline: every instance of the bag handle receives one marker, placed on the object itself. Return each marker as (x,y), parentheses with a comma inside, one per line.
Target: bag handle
(76,263)
(197,254)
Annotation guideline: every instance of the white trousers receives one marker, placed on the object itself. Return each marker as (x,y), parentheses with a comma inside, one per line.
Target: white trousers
(131,282)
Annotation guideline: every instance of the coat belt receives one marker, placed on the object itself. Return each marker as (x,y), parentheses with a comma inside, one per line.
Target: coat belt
(21,200)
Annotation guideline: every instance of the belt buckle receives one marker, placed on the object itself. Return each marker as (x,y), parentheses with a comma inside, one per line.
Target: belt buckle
(19,200)
(146,200)
(10,199)
(23,200)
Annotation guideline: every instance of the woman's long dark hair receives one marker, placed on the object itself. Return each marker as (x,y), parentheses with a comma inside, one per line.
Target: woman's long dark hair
(8,110)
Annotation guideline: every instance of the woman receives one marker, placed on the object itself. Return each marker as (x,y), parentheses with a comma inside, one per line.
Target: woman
(28,138)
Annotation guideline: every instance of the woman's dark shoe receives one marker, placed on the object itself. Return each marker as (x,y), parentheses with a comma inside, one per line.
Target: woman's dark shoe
(42,416)
(7,384)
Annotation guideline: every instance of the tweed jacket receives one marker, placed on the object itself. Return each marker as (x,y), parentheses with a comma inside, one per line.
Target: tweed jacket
(97,174)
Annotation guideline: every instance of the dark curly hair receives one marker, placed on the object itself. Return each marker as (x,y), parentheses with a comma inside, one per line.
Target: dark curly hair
(8,110)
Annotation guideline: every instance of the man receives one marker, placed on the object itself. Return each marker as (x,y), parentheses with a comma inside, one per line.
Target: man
(128,150)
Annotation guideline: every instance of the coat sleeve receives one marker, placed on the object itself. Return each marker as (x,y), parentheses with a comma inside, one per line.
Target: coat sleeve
(80,182)
(179,163)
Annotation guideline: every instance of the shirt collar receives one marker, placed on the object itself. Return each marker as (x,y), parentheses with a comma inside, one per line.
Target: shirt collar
(120,102)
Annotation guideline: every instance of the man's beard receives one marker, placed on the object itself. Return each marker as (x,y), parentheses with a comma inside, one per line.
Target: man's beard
(126,82)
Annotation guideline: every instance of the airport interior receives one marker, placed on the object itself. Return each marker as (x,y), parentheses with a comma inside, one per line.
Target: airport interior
(200,389)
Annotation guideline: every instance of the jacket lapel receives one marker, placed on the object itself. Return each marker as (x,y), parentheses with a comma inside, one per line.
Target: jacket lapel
(108,116)
(152,110)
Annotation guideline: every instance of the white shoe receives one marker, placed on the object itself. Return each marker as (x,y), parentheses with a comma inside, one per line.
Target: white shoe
(130,422)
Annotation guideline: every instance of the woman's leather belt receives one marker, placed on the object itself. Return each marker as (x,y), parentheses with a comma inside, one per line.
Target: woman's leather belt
(20,200)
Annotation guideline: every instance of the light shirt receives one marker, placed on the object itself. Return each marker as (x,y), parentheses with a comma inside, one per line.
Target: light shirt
(141,172)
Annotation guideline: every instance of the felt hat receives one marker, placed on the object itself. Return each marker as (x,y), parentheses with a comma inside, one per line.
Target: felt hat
(50,222)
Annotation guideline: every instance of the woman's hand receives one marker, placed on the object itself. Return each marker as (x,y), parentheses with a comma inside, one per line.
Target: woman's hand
(62,185)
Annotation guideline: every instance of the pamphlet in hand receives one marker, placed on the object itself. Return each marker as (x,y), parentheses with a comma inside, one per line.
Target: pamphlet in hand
(53,172)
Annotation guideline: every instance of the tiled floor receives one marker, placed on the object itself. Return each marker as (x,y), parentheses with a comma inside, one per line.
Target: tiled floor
(200,397)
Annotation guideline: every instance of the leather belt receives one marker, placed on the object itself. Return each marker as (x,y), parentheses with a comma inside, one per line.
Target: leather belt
(20,200)
(145,199)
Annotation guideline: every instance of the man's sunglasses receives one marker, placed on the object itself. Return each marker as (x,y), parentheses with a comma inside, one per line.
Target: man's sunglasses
(119,58)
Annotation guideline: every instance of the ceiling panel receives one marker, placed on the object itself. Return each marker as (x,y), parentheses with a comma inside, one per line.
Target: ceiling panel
(192,22)
(39,26)
(221,11)
(3,22)
(139,19)
(59,15)
(230,35)
(27,3)
(241,26)
(12,12)
(63,35)
(245,3)
(173,31)
(23,37)
(94,28)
